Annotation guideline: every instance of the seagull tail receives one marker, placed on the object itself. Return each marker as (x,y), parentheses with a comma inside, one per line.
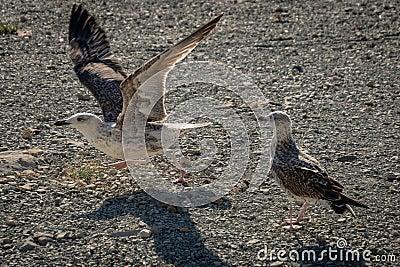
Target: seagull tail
(344,203)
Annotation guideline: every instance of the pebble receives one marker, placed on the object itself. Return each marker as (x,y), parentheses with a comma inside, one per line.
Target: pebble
(6,241)
(43,240)
(145,233)
(26,173)
(113,172)
(342,219)
(252,242)
(35,152)
(348,158)
(28,245)
(172,209)
(11,222)
(37,235)
(26,134)
(184,230)
(276,263)
(27,187)
(62,235)
(124,234)
(155,230)
(85,97)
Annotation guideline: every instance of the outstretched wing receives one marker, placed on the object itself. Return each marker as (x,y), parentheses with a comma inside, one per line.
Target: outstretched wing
(94,63)
(150,101)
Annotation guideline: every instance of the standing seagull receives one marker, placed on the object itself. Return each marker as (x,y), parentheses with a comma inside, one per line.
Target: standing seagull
(302,177)
(102,74)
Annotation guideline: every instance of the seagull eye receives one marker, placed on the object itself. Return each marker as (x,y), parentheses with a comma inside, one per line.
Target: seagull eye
(80,119)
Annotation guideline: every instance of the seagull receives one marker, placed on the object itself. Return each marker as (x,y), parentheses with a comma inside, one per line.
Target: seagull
(302,177)
(102,74)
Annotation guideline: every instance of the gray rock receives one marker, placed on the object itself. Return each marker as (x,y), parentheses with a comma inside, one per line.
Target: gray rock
(43,240)
(348,158)
(10,222)
(5,241)
(61,235)
(28,245)
(145,233)
(16,161)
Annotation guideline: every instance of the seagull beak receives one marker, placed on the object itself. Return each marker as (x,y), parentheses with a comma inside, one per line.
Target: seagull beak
(61,123)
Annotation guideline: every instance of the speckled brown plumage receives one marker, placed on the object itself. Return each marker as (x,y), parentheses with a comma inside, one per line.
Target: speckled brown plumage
(94,63)
(301,176)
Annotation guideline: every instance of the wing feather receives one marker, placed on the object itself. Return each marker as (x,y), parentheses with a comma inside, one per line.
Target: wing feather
(94,63)
(154,73)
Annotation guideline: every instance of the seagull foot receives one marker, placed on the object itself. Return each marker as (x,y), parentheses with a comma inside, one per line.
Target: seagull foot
(180,180)
(293,221)
(292,227)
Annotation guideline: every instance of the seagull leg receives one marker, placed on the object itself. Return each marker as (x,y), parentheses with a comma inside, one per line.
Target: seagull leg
(291,227)
(302,211)
(181,170)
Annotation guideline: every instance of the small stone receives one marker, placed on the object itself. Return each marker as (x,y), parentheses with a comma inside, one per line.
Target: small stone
(61,235)
(218,201)
(11,222)
(27,173)
(26,187)
(113,172)
(124,234)
(281,9)
(155,230)
(393,176)
(3,180)
(6,241)
(130,199)
(43,240)
(342,219)
(24,33)
(26,134)
(348,158)
(7,246)
(393,190)
(37,235)
(35,152)
(184,230)
(171,209)
(276,263)
(297,69)
(27,245)
(83,97)
(252,242)
(145,233)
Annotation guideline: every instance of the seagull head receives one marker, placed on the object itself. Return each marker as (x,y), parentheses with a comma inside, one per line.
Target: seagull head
(83,122)
(283,124)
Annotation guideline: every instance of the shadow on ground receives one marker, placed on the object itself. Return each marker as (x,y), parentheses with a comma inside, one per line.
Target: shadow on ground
(176,239)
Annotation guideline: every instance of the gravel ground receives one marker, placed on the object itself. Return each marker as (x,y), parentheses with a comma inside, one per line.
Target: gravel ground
(334,67)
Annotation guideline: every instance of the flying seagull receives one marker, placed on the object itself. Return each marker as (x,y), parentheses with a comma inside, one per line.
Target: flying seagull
(302,177)
(102,74)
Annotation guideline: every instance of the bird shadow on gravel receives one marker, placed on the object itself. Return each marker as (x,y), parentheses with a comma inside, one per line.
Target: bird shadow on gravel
(176,239)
